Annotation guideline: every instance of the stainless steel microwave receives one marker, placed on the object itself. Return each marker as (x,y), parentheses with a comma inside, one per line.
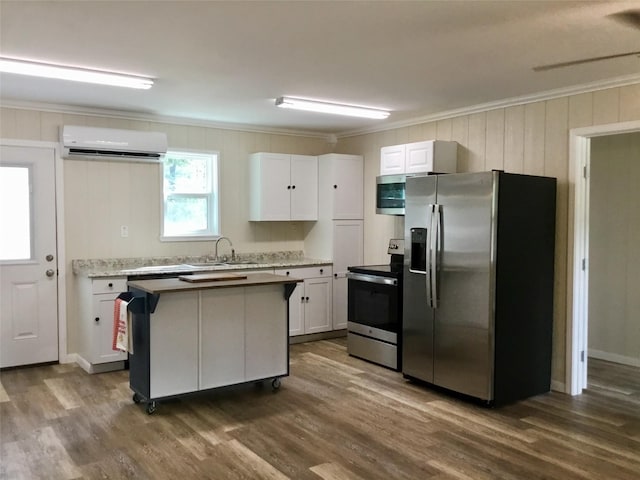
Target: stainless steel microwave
(390,194)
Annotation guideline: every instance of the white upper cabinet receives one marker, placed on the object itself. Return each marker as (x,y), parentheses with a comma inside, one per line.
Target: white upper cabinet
(435,156)
(341,186)
(392,160)
(283,187)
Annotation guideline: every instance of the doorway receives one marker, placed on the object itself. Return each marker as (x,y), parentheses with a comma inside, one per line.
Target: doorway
(577,328)
(29,263)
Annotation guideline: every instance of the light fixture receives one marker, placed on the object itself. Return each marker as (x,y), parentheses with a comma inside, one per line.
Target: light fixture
(36,69)
(327,107)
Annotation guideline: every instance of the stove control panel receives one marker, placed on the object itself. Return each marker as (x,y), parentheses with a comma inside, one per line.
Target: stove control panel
(396,246)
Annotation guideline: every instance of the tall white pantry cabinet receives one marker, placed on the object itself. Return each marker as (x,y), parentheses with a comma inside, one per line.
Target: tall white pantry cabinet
(338,233)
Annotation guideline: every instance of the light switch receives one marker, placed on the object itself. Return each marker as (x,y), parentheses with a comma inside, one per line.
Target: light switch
(124,231)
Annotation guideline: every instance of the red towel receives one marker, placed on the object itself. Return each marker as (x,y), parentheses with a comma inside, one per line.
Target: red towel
(121,340)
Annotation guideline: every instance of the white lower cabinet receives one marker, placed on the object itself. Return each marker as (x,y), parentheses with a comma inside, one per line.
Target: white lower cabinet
(311,304)
(96,297)
(212,338)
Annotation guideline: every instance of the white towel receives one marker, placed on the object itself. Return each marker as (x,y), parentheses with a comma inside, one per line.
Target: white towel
(122,327)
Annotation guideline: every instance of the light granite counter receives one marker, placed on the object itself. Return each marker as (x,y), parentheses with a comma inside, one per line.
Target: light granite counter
(147,266)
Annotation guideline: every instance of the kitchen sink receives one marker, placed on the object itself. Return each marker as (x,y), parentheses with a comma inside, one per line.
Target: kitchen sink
(156,268)
(206,264)
(220,264)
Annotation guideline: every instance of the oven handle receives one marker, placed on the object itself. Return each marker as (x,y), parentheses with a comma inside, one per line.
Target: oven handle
(363,277)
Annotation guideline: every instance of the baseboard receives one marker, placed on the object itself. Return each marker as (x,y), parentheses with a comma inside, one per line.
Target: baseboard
(312,337)
(614,357)
(557,386)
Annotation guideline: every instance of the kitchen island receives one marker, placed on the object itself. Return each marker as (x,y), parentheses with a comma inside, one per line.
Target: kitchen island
(192,336)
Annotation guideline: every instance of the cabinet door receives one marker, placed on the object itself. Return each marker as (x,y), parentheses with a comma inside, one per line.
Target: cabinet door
(222,331)
(304,187)
(296,311)
(348,251)
(101,350)
(318,304)
(392,160)
(270,187)
(173,345)
(340,303)
(348,186)
(419,157)
(266,340)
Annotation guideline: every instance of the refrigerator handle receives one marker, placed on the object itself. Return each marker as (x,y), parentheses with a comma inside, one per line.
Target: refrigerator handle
(429,255)
(434,248)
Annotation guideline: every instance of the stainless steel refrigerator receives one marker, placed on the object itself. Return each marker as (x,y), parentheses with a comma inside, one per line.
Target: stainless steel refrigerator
(478,283)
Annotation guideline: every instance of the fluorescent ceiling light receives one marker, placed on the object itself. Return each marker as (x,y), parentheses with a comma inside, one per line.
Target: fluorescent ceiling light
(21,67)
(326,107)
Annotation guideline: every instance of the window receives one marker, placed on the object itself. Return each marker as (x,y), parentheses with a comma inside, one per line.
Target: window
(15,213)
(190,196)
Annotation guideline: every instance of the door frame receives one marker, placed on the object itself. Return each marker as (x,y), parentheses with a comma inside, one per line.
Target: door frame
(578,305)
(63,357)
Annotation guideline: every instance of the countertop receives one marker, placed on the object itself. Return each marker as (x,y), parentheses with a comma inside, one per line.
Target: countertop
(166,285)
(142,266)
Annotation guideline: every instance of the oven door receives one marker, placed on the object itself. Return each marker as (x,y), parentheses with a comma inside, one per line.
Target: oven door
(373,306)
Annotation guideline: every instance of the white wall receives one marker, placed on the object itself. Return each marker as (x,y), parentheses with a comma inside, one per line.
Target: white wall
(100,196)
(614,249)
(531,139)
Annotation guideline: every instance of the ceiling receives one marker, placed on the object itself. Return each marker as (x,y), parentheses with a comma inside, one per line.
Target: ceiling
(226,61)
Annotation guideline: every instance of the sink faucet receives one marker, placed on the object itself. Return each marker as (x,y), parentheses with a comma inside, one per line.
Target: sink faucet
(215,252)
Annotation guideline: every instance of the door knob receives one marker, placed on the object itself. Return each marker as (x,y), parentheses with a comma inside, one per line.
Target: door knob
(49,257)
(50,273)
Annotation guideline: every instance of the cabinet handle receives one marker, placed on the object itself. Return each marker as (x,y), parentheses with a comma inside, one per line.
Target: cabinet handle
(335,186)
(321,270)
(97,319)
(335,275)
(110,285)
(287,274)
(288,187)
(302,299)
(293,187)
(307,299)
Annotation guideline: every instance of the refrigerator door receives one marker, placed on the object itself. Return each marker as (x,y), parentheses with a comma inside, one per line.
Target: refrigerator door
(465,279)
(417,317)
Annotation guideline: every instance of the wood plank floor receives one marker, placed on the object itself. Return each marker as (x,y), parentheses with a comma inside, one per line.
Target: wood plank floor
(335,417)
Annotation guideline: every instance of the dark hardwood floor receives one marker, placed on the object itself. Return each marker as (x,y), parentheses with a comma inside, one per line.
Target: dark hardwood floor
(335,417)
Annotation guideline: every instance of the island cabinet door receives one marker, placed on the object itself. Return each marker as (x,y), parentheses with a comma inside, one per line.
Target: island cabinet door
(267,338)
(222,332)
(173,345)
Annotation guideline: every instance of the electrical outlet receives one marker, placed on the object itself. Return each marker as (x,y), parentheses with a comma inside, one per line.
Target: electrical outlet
(124,231)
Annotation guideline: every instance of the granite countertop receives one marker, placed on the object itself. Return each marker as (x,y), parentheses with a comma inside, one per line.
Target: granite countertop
(123,267)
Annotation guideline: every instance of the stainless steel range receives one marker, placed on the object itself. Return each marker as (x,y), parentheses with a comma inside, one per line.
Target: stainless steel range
(375,310)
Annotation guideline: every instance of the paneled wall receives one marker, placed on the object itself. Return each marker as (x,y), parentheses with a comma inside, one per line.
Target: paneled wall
(614,249)
(531,139)
(101,196)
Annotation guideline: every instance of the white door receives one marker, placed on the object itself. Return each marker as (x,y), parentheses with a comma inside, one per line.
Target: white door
(28,256)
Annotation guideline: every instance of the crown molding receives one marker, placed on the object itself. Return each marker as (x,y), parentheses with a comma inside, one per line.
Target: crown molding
(483,107)
(149,117)
(504,103)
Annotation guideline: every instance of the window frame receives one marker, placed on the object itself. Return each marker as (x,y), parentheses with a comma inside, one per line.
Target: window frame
(213,198)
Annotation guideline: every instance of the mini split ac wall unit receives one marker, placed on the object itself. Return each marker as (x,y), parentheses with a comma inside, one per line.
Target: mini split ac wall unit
(112,144)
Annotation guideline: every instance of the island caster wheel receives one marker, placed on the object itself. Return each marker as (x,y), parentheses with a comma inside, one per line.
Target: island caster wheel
(275,383)
(151,407)
(136,398)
